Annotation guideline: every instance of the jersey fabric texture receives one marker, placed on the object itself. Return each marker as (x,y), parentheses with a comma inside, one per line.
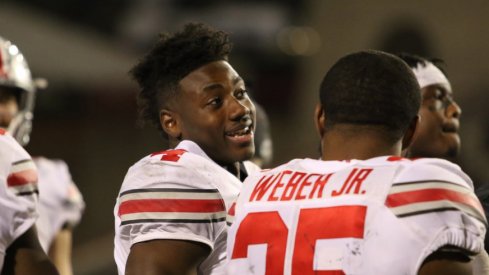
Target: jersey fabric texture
(483,194)
(178,194)
(60,202)
(18,192)
(379,216)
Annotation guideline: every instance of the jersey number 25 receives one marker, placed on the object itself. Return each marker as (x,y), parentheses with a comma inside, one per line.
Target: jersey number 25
(313,224)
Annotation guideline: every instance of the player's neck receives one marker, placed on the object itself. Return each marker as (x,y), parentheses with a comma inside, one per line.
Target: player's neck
(339,147)
(233,168)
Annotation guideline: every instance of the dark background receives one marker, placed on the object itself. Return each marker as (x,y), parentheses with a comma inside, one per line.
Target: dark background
(87,115)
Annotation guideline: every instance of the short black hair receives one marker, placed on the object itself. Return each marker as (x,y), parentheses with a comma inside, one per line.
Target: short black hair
(371,88)
(172,58)
(414,60)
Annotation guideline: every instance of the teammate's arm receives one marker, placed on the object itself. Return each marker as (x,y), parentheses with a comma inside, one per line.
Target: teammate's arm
(166,257)
(446,263)
(60,251)
(26,257)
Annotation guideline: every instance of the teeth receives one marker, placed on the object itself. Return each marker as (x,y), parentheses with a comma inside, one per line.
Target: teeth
(241,132)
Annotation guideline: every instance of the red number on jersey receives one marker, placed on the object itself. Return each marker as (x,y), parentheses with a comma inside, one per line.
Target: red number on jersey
(259,228)
(313,224)
(170,155)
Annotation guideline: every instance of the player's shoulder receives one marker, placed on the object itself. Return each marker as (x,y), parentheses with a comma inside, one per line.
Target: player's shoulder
(9,146)
(49,164)
(173,168)
(430,185)
(172,161)
(6,138)
(431,169)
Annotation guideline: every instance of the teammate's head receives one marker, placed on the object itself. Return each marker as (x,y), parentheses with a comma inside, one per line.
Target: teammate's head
(190,91)
(370,90)
(17,91)
(438,130)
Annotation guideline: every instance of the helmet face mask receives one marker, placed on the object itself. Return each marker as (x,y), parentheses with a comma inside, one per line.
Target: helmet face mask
(15,74)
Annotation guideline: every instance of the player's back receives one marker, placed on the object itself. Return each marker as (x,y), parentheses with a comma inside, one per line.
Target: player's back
(380,216)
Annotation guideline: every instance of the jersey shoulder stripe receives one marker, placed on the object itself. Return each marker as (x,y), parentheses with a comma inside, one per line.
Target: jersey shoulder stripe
(23,177)
(420,197)
(171,205)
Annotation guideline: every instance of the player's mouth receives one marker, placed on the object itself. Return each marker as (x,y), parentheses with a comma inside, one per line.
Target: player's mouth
(450,128)
(241,135)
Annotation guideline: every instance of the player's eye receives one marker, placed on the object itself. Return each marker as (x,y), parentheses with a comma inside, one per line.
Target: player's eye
(241,93)
(216,101)
(440,95)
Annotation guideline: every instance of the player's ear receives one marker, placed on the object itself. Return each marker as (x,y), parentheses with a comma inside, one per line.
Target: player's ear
(410,134)
(319,119)
(170,124)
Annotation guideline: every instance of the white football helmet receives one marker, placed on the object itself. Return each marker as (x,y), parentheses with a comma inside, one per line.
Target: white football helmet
(15,73)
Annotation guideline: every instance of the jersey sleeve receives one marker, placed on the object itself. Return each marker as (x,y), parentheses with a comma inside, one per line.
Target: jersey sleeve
(170,199)
(71,205)
(18,191)
(434,201)
(61,204)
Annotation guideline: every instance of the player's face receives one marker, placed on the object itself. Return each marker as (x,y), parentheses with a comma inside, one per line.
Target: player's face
(216,112)
(8,107)
(438,130)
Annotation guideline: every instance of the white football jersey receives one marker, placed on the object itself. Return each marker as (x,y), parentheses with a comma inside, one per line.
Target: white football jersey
(380,216)
(18,192)
(60,201)
(176,194)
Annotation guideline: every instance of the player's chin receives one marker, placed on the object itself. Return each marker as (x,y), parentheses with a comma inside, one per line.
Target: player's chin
(244,152)
(453,149)
(452,140)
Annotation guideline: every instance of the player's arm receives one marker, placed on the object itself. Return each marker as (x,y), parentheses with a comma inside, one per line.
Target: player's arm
(166,257)
(60,251)
(444,262)
(26,257)
(481,263)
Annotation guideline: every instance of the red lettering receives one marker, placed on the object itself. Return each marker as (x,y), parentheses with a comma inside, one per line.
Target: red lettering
(305,183)
(355,178)
(319,186)
(292,186)
(278,185)
(262,187)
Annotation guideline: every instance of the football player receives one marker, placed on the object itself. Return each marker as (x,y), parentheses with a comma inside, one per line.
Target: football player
(60,202)
(20,250)
(437,135)
(170,215)
(362,208)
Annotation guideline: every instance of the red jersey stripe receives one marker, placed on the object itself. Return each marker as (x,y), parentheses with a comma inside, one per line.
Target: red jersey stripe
(171,205)
(434,194)
(232,210)
(22,178)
